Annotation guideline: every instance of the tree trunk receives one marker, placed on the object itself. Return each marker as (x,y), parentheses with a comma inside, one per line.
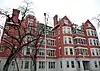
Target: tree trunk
(35,60)
(7,64)
(8,61)
(35,64)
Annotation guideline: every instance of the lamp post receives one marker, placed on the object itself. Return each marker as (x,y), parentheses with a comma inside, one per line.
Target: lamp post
(45,20)
(45,42)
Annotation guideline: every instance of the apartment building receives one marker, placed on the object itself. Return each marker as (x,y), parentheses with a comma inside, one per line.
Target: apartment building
(69,47)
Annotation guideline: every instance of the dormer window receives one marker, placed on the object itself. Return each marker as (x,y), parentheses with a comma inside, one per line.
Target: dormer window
(65,21)
(89,25)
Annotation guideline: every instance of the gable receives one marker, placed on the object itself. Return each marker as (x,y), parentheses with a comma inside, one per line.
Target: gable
(88,24)
(66,20)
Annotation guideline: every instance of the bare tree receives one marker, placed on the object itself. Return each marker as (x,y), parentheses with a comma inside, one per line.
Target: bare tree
(97,18)
(16,36)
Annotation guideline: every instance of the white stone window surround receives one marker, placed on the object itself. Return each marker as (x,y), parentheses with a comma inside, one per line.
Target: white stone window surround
(66,21)
(70,63)
(80,38)
(50,52)
(51,65)
(24,62)
(89,25)
(95,64)
(91,32)
(67,30)
(41,65)
(93,41)
(95,51)
(82,48)
(68,50)
(24,50)
(51,42)
(66,40)
(41,51)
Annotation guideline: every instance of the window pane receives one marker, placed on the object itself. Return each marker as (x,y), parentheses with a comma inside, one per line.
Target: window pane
(60,64)
(70,40)
(67,64)
(95,63)
(26,65)
(71,51)
(72,62)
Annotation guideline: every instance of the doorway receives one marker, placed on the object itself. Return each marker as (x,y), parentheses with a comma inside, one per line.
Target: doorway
(86,65)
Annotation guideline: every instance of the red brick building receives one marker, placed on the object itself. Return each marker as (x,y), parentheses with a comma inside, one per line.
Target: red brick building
(69,48)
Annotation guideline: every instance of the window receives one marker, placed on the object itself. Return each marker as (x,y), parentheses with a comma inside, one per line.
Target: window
(27,50)
(94,42)
(72,64)
(97,51)
(70,40)
(92,32)
(88,32)
(78,63)
(97,42)
(89,25)
(65,21)
(51,65)
(84,41)
(65,40)
(66,51)
(68,30)
(31,64)
(50,42)
(60,64)
(41,52)
(95,34)
(79,41)
(13,63)
(93,52)
(22,64)
(67,64)
(83,51)
(1,48)
(76,51)
(41,64)
(51,52)
(99,63)
(90,42)
(64,30)
(71,51)
(26,65)
(75,41)
(95,63)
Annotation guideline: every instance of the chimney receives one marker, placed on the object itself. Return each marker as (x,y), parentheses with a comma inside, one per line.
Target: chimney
(55,18)
(15,15)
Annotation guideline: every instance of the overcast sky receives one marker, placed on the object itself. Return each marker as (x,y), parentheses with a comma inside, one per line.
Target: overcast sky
(77,11)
